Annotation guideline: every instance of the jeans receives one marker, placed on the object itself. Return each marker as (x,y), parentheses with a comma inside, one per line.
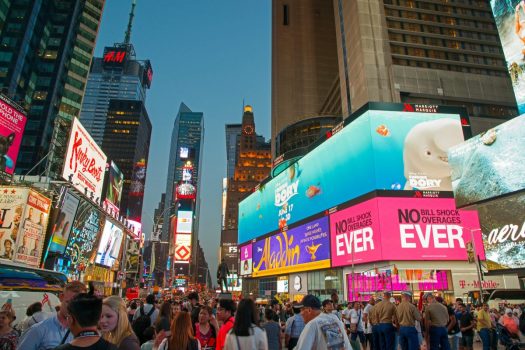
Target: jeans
(484,334)
(387,336)
(439,338)
(375,344)
(408,338)
(454,342)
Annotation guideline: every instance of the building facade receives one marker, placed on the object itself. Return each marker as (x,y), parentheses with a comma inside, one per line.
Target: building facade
(46,51)
(126,140)
(252,165)
(412,51)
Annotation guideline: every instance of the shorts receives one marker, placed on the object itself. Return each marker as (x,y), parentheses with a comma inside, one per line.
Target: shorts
(466,340)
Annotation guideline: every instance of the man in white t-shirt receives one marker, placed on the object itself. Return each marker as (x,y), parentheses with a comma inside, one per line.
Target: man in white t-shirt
(322,331)
(346,315)
(369,337)
(356,319)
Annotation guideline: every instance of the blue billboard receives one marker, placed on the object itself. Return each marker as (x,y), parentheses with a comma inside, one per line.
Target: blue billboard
(379,150)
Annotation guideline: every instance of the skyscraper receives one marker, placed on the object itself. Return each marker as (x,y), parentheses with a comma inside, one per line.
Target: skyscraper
(126,140)
(252,164)
(46,50)
(183,186)
(411,51)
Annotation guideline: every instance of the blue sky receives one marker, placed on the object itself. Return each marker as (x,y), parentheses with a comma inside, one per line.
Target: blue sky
(210,55)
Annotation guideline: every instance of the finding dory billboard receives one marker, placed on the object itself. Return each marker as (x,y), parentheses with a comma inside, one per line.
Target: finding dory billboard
(380,147)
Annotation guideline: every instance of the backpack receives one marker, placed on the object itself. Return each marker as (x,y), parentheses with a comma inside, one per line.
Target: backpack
(142,322)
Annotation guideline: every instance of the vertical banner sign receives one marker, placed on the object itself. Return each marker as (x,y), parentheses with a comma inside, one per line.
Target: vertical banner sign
(510,20)
(12,124)
(30,240)
(63,223)
(12,205)
(85,163)
(114,191)
(132,257)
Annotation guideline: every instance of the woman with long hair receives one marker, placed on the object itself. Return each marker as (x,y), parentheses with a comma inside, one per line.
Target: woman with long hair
(163,321)
(245,334)
(181,335)
(114,324)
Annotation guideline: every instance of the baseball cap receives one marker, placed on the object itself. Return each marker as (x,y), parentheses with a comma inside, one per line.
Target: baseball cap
(407,293)
(310,301)
(508,311)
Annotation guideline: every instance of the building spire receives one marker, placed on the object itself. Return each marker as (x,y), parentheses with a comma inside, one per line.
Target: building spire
(127,38)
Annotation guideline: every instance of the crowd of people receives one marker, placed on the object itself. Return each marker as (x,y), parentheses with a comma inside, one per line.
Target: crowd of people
(87,321)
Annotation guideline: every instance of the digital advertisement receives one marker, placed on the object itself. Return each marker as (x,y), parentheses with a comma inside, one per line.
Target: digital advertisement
(490,164)
(114,191)
(12,205)
(306,247)
(12,125)
(63,223)
(110,243)
(30,240)
(383,150)
(85,163)
(503,224)
(510,21)
(234,283)
(184,221)
(84,238)
(182,248)
(403,229)
(132,256)
(136,191)
(246,260)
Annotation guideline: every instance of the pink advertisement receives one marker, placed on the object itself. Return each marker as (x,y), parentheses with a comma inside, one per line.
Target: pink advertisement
(403,229)
(12,125)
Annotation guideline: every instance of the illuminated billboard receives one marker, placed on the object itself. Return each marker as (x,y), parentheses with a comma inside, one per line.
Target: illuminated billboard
(503,224)
(110,243)
(182,248)
(12,124)
(395,228)
(510,22)
(185,191)
(379,150)
(234,283)
(490,164)
(114,56)
(85,163)
(246,259)
(136,191)
(303,248)
(114,190)
(12,206)
(184,152)
(63,223)
(184,221)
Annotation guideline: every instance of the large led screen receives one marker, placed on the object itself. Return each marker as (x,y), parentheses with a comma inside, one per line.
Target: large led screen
(382,229)
(490,164)
(85,163)
(184,221)
(114,190)
(12,205)
(12,124)
(306,247)
(380,149)
(63,223)
(110,243)
(503,224)
(510,22)
(246,259)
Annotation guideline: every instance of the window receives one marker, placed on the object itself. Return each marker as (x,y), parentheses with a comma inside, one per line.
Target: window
(286,19)
(6,56)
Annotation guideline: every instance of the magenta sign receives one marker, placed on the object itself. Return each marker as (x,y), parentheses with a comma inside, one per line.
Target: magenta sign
(246,259)
(403,229)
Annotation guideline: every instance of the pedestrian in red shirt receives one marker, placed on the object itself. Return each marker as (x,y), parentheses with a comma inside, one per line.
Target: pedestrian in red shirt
(225,313)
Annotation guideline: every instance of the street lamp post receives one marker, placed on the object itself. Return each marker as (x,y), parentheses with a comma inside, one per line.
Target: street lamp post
(477,262)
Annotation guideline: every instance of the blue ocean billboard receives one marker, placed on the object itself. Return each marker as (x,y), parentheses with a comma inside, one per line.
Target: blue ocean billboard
(379,150)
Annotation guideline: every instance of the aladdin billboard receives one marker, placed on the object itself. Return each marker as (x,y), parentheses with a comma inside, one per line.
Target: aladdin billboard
(306,247)
(382,228)
(12,125)
(379,149)
(510,21)
(85,163)
(490,164)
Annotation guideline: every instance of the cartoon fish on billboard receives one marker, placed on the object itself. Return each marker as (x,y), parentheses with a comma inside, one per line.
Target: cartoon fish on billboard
(313,191)
(383,130)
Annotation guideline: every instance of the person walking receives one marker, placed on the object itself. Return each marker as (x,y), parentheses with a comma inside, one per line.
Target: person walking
(293,328)
(273,330)
(181,335)
(436,320)
(225,314)
(407,315)
(245,334)
(322,331)
(386,318)
(114,324)
(484,325)
(467,326)
(53,331)
(83,316)
(369,337)
(357,329)
(147,309)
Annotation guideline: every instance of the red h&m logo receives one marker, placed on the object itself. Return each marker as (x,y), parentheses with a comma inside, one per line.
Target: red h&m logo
(114,56)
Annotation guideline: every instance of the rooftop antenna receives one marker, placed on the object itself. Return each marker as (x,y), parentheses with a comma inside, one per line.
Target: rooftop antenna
(127,38)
